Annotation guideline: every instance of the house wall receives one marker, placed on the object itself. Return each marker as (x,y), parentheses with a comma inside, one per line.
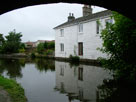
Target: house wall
(69,40)
(91,40)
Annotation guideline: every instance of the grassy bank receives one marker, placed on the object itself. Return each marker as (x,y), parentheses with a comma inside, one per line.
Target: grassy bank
(15,91)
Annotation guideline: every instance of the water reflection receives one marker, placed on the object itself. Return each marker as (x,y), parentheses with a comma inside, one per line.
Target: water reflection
(13,67)
(45,65)
(79,82)
(55,81)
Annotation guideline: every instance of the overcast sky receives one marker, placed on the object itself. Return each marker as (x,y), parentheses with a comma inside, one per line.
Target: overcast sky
(37,22)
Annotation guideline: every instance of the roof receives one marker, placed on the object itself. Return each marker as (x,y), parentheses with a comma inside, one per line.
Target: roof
(30,43)
(85,18)
(42,41)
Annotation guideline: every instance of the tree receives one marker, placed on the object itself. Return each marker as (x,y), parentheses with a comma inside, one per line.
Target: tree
(40,48)
(46,45)
(13,42)
(119,41)
(51,45)
(2,40)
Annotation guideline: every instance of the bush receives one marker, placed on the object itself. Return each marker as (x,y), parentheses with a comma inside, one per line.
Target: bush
(40,48)
(49,52)
(74,58)
(21,50)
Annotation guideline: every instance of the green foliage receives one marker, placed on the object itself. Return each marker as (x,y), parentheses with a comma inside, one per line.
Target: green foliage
(51,45)
(22,46)
(74,58)
(119,42)
(49,52)
(2,40)
(46,48)
(12,42)
(40,48)
(45,45)
(21,50)
(15,91)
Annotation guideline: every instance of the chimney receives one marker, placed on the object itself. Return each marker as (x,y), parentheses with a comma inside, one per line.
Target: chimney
(87,10)
(71,17)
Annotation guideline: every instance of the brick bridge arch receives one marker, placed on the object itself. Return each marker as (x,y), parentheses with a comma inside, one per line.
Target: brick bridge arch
(115,5)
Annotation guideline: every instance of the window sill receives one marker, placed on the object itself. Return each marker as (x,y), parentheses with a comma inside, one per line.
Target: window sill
(80,55)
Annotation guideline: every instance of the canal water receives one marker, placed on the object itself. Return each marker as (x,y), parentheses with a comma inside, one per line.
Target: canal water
(56,81)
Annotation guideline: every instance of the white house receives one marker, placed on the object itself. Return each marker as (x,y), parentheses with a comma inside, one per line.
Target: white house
(81,36)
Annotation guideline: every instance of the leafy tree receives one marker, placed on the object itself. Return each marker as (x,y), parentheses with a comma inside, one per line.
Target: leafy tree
(2,40)
(13,42)
(119,41)
(46,45)
(40,48)
(22,46)
(51,45)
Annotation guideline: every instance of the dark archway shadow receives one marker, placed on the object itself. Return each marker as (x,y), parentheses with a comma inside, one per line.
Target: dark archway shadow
(124,7)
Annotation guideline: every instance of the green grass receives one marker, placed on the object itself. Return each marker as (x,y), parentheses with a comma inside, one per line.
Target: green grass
(14,89)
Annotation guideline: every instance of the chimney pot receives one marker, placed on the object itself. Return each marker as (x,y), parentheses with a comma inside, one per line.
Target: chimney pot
(71,17)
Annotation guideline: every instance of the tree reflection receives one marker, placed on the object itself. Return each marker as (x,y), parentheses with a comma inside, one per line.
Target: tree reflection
(12,67)
(45,65)
(116,91)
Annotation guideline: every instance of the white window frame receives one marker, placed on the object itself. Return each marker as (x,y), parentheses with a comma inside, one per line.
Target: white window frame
(62,32)
(80,28)
(62,47)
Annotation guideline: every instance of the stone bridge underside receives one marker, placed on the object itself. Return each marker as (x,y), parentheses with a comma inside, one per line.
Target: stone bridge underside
(124,7)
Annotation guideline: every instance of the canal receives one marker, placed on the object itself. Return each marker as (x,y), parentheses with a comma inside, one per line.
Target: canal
(56,81)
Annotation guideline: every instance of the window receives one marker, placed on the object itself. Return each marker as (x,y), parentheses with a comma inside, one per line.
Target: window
(80,28)
(61,47)
(109,21)
(97,27)
(80,74)
(80,48)
(61,32)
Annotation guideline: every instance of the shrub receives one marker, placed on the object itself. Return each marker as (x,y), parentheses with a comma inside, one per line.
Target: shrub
(49,52)
(74,58)
(21,50)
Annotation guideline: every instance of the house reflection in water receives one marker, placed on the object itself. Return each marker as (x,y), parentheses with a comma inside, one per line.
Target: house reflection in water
(79,83)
